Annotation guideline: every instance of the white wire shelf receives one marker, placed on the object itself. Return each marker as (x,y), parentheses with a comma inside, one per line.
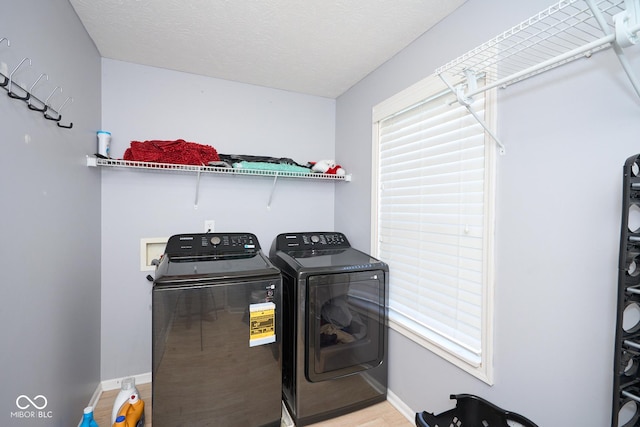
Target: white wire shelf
(566,31)
(562,33)
(131,164)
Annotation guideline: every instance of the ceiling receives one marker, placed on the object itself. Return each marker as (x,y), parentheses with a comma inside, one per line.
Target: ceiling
(316,47)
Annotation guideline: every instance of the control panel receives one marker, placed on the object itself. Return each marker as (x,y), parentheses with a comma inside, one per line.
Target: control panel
(308,241)
(212,244)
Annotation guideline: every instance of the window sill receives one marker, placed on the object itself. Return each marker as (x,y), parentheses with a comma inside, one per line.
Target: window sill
(479,370)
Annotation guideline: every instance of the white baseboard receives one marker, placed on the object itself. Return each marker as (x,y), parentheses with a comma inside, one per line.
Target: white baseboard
(93,401)
(116,383)
(96,396)
(402,407)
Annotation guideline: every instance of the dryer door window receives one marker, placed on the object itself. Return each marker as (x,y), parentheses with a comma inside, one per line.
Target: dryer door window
(345,323)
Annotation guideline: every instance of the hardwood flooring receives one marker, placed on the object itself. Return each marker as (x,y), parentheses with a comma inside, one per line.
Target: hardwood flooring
(379,415)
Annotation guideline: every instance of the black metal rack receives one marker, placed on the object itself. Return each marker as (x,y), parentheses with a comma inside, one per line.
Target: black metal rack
(626,376)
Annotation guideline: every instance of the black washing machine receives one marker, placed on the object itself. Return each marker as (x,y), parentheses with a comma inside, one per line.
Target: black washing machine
(217,327)
(335,325)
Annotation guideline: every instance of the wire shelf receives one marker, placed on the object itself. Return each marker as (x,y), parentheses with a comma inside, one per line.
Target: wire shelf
(95,161)
(560,34)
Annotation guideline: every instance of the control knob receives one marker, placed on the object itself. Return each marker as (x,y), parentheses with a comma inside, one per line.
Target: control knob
(215,240)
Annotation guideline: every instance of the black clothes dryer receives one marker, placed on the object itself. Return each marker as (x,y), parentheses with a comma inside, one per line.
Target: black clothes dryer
(335,325)
(217,327)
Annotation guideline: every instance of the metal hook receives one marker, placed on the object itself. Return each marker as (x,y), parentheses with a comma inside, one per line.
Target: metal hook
(60,115)
(29,104)
(59,110)
(69,126)
(6,80)
(10,93)
(46,104)
(65,103)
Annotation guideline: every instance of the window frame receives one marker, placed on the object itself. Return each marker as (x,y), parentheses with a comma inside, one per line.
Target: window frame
(428,89)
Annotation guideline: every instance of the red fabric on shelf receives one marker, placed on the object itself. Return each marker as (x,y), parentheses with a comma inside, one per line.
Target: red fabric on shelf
(177,152)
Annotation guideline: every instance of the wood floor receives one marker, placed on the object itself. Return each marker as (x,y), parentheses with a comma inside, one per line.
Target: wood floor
(379,415)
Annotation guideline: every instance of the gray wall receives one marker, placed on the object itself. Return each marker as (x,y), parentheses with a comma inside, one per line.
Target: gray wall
(145,103)
(50,228)
(568,133)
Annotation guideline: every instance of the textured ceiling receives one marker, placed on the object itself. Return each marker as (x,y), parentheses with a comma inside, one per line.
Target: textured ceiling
(317,47)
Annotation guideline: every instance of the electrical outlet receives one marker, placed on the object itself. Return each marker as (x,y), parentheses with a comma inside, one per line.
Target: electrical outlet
(209,226)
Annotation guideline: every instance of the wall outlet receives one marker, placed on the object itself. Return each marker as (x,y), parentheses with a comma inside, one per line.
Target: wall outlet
(209,226)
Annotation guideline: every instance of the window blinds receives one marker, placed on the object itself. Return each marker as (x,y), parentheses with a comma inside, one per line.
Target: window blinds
(431,222)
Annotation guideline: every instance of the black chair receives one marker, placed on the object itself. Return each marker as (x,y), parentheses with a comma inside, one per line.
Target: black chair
(471,411)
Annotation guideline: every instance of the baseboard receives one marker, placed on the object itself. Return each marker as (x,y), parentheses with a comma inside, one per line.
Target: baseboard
(96,396)
(116,383)
(402,407)
(93,401)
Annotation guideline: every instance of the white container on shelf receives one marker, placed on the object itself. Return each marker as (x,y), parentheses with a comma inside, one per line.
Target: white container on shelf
(104,143)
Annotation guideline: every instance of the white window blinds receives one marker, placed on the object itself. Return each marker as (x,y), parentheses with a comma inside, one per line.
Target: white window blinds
(434,216)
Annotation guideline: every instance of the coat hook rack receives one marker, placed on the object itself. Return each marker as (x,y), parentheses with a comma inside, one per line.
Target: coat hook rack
(18,92)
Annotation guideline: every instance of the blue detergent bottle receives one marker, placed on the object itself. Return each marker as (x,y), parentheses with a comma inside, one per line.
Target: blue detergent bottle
(87,418)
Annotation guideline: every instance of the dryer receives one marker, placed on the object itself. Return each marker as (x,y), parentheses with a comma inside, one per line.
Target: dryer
(335,325)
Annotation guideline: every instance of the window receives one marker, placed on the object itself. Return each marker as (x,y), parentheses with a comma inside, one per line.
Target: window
(433,220)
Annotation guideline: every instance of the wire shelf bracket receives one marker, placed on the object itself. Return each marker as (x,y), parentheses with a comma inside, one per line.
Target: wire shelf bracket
(564,32)
(472,83)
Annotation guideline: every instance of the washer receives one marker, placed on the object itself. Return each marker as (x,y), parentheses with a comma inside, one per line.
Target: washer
(217,327)
(335,326)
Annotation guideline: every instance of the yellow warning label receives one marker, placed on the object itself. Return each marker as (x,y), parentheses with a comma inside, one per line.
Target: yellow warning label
(262,323)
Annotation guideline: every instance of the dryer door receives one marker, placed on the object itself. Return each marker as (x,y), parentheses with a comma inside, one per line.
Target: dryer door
(345,324)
